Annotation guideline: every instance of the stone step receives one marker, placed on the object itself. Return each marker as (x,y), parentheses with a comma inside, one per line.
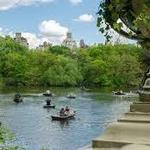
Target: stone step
(101,149)
(135,117)
(140,107)
(121,134)
(137,113)
(134,121)
(135,147)
(88,147)
(127,147)
(138,102)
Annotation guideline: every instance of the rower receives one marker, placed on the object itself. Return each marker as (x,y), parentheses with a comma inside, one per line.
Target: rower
(48,92)
(17,95)
(62,112)
(48,101)
(67,109)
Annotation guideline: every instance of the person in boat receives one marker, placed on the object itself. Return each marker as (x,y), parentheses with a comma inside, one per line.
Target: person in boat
(62,112)
(121,92)
(48,92)
(67,109)
(18,98)
(48,101)
(17,95)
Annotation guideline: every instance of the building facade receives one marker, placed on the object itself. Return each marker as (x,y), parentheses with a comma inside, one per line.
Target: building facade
(44,46)
(69,42)
(21,40)
(82,44)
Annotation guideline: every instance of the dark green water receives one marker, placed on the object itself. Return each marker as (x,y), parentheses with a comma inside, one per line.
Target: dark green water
(34,129)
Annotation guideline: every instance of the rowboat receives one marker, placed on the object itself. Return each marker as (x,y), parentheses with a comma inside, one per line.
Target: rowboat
(119,93)
(48,94)
(18,100)
(49,106)
(72,96)
(63,118)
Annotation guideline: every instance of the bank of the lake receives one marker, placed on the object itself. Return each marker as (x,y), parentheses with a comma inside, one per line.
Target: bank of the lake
(34,129)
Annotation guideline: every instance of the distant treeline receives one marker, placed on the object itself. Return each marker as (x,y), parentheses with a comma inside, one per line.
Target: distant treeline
(103,65)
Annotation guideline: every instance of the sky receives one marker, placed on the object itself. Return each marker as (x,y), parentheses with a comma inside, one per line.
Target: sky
(50,20)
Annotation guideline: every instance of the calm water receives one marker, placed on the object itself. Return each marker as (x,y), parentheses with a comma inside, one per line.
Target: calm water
(35,130)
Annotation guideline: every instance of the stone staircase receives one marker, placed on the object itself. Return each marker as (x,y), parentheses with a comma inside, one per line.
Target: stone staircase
(131,132)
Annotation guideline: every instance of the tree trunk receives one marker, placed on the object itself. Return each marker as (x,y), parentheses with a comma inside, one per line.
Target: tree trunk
(146,52)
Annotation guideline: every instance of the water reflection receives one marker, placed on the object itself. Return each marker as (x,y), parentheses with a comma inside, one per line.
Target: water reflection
(63,124)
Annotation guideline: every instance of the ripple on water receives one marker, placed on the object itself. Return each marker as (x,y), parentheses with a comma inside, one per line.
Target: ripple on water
(34,129)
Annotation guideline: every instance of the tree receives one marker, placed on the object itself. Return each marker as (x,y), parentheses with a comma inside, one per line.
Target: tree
(13,68)
(134,14)
(62,50)
(8,44)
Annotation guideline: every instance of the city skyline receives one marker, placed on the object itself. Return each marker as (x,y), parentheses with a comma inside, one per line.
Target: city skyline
(50,20)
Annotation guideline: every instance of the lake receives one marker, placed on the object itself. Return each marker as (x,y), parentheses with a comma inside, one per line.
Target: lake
(34,129)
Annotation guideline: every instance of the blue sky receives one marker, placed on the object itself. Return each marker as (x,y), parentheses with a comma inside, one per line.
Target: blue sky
(78,16)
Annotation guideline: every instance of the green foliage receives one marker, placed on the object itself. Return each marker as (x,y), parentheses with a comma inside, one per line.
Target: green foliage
(14,66)
(64,72)
(103,65)
(143,20)
(59,50)
(117,65)
(133,14)
(5,134)
(12,148)
(7,44)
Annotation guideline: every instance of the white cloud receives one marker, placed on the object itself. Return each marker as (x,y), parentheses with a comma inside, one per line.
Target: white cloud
(49,31)
(53,30)
(33,40)
(7,4)
(75,1)
(85,18)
